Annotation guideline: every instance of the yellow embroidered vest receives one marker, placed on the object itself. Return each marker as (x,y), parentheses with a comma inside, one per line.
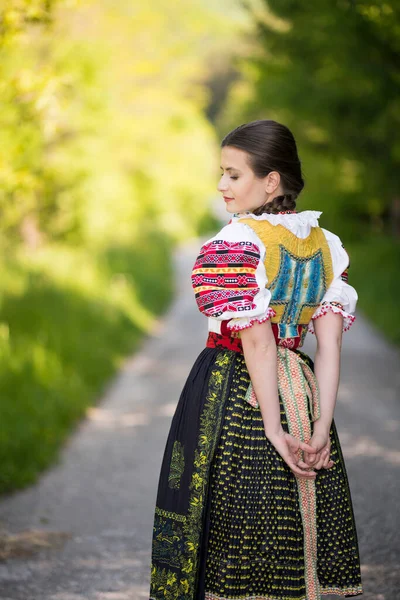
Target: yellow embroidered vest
(299,272)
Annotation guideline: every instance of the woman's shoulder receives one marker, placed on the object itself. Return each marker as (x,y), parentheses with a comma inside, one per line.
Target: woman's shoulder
(233,247)
(339,255)
(235,232)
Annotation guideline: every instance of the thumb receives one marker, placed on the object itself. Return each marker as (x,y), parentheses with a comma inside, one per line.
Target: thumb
(311,458)
(308,447)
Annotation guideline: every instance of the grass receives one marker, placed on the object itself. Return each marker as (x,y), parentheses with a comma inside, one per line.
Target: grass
(375,273)
(67,319)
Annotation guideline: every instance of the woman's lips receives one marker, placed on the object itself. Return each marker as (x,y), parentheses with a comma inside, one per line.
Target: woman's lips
(228,199)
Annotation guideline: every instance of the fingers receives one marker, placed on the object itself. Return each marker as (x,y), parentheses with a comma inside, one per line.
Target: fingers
(290,448)
(299,467)
(319,464)
(314,459)
(311,459)
(317,460)
(307,448)
(303,464)
(309,474)
(296,464)
(324,460)
(323,455)
(328,462)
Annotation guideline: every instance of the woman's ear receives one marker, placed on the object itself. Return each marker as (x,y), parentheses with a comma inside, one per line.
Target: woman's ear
(273,180)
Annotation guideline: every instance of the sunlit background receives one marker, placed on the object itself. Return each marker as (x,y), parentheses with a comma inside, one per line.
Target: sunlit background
(111,116)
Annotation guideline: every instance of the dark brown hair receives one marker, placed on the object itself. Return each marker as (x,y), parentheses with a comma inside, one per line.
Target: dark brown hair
(270,147)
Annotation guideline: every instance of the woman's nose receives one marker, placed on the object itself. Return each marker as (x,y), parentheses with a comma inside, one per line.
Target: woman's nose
(222,185)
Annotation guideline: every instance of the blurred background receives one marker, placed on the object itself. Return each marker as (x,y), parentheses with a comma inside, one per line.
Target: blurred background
(111,116)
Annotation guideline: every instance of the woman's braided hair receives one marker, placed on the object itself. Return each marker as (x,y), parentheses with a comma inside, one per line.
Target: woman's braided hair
(270,147)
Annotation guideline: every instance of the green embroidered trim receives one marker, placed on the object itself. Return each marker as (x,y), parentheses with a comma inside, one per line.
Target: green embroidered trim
(164,582)
(177,465)
(209,423)
(170,515)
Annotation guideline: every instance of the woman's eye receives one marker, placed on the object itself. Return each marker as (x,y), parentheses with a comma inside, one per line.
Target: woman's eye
(231,177)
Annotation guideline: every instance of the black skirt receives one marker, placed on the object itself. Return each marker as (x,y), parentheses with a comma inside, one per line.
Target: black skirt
(228,522)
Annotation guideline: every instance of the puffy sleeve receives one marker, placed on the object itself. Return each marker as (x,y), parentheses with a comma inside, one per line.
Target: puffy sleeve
(229,278)
(340,297)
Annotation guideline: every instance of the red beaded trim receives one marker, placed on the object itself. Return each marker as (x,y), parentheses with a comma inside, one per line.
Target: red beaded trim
(335,307)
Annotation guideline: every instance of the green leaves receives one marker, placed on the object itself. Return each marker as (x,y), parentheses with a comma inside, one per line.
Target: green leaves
(101,119)
(334,67)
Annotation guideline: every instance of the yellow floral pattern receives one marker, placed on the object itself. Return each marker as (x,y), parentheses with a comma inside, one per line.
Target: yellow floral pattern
(177,537)
(177,465)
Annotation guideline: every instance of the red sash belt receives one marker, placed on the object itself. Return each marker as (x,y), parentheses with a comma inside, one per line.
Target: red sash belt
(230,340)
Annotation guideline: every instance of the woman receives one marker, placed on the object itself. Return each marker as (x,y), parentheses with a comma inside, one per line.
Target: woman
(253,500)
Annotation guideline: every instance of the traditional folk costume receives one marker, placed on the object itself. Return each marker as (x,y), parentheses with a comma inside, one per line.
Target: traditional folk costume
(231,519)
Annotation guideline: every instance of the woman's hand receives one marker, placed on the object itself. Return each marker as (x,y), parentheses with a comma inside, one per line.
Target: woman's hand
(288,446)
(321,444)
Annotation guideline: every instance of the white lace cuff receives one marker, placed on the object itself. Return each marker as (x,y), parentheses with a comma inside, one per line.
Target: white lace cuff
(335,307)
(245,322)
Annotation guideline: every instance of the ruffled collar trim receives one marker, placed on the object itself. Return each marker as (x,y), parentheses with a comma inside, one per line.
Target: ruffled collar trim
(305,217)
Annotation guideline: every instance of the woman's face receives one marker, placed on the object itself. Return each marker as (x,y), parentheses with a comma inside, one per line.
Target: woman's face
(241,189)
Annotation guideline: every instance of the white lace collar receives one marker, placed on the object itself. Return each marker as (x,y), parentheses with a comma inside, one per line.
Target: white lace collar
(298,223)
(305,217)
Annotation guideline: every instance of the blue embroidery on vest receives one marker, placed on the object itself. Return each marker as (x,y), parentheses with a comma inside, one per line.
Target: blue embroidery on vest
(288,331)
(300,282)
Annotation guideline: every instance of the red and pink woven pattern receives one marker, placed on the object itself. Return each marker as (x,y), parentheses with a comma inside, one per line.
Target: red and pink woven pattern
(224,277)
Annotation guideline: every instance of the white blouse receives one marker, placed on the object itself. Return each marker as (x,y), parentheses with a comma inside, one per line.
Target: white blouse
(255,307)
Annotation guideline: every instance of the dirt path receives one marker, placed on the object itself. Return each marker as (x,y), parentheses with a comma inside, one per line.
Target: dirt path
(93,512)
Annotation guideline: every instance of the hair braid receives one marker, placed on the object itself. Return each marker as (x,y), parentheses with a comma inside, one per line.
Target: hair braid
(278,204)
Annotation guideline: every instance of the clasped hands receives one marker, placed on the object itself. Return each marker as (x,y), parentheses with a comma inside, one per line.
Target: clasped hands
(316,453)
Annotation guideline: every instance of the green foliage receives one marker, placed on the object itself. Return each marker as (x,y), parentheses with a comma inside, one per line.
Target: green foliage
(67,319)
(99,102)
(374,272)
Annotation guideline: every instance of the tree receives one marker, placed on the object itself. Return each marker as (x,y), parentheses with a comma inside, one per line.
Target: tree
(333,68)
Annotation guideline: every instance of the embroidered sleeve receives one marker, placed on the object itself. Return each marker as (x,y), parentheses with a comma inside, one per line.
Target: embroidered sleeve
(340,297)
(229,278)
